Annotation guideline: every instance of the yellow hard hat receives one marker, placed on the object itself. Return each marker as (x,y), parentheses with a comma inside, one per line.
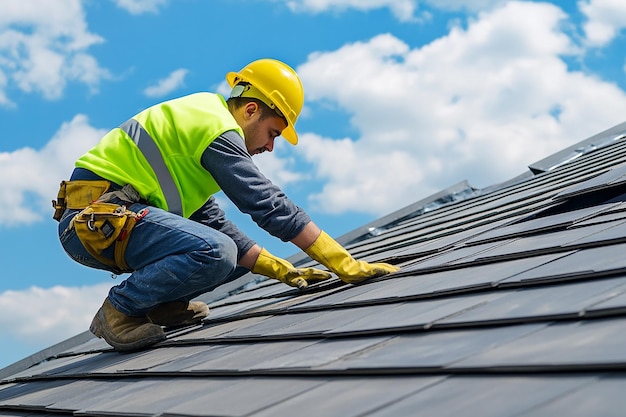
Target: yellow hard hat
(280,86)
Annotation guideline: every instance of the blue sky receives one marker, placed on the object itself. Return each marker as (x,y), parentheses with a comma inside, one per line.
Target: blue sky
(403,98)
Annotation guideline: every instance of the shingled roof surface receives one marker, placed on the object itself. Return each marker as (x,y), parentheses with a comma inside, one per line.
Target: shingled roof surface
(510,301)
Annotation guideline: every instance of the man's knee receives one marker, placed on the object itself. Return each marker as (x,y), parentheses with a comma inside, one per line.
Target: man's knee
(227,250)
(219,256)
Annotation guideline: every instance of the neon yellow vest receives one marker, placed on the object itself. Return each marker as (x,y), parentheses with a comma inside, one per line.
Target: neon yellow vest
(181,129)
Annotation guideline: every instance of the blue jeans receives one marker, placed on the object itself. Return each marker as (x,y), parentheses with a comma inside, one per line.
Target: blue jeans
(173,258)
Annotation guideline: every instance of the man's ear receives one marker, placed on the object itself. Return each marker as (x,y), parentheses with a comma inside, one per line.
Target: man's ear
(250,109)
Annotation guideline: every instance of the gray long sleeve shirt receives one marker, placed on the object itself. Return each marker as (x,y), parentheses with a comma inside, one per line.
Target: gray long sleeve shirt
(230,164)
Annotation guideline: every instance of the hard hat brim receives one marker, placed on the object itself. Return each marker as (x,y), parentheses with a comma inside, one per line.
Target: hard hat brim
(230,78)
(290,135)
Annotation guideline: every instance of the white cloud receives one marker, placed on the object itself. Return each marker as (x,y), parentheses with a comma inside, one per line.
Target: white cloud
(29,178)
(4,99)
(280,170)
(43,46)
(403,10)
(138,7)
(605,18)
(481,104)
(166,85)
(41,316)
(357,177)
(472,6)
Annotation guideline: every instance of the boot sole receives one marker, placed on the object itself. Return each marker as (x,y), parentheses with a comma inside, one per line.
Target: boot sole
(99,329)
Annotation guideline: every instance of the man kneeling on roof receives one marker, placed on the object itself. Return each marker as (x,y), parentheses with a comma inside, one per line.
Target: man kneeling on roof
(141,201)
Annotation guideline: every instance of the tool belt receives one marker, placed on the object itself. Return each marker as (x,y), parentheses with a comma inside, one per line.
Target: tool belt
(100,223)
(76,195)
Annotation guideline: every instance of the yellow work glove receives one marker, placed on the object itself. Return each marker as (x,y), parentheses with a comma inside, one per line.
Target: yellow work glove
(333,256)
(282,270)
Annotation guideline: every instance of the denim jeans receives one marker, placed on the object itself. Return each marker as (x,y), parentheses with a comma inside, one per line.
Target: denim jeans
(173,258)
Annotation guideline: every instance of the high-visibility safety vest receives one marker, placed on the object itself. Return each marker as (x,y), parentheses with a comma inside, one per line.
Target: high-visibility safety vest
(159,151)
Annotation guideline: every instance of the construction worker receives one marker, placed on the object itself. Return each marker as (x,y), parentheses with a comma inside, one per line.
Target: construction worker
(141,202)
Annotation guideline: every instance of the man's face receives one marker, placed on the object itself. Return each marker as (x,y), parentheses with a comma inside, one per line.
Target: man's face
(260,134)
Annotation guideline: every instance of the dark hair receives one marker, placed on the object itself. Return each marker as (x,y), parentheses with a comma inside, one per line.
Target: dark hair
(235,103)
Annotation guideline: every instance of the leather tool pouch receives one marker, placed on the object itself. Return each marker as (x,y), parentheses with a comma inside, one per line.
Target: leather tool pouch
(101,225)
(77,195)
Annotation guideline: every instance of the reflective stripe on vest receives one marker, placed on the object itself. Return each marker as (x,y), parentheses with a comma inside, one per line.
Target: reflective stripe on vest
(151,152)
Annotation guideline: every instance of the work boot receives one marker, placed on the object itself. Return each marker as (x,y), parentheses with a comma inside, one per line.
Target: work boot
(124,332)
(179,313)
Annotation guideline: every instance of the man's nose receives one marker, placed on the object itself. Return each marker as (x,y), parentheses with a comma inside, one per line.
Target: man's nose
(270,145)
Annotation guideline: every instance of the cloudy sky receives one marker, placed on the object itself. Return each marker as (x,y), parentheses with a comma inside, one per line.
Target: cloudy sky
(403,99)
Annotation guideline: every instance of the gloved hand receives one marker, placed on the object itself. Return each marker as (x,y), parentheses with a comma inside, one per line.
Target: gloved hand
(282,270)
(333,256)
